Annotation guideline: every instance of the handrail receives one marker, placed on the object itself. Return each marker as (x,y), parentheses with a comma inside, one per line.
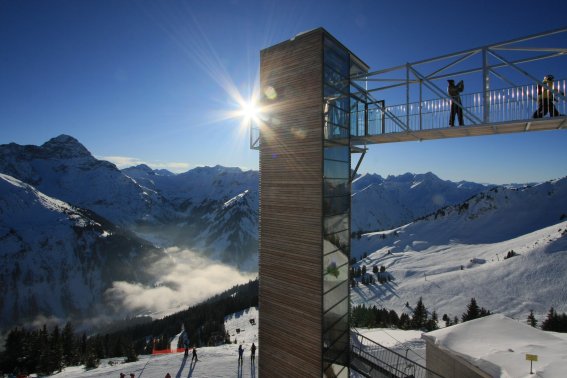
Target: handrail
(505,105)
(386,360)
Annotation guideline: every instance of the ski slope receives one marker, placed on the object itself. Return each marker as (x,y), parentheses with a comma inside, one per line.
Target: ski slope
(448,273)
(220,361)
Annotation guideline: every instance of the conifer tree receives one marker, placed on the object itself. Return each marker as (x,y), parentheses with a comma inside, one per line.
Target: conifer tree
(550,322)
(473,311)
(55,351)
(419,319)
(433,322)
(91,358)
(43,365)
(68,340)
(531,319)
(131,355)
(405,321)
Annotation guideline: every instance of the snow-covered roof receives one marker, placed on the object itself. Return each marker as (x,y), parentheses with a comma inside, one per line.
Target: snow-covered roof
(498,345)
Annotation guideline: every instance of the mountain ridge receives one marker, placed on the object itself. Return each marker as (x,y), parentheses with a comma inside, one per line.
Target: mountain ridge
(209,210)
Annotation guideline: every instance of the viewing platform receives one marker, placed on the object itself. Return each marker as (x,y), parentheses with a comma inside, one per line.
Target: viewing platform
(511,111)
(410,102)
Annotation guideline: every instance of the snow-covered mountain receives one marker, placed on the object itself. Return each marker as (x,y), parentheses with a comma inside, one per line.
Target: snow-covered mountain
(216,207)
(185,210)
(64,169)
(66,262)
(212,211)
(57,260)
(381,204)
(464,251)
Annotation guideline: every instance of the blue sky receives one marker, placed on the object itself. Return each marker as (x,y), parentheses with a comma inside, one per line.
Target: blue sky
(156,81)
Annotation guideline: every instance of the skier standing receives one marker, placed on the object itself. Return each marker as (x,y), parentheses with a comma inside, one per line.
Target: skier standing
(194,355)
(253,353)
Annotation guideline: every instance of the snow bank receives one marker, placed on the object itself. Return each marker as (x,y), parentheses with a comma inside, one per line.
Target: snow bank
(499,343)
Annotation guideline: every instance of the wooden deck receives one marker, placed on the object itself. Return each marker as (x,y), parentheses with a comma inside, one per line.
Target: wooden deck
(541,124)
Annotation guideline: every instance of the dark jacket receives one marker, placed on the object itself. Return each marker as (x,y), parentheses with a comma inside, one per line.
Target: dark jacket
(454,90)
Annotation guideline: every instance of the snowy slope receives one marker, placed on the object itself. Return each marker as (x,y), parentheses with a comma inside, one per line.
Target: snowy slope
(220,361)
(498,345)
(458,253)
(57,260)
(380,204)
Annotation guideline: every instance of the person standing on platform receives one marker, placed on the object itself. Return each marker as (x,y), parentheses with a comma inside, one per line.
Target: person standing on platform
(454,92)
(545,99)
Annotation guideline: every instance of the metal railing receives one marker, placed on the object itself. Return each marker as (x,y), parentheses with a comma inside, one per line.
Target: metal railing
(504,105)
(382,361)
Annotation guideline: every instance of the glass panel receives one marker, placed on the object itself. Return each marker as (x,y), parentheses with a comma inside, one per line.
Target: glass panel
(336,338)
(355,68)
(336,208)
(334,131)
(336,332)
(336,187)
(337,116)
(335,268)
(337,152)
(337,57)
(337,352)
(335,79)
(357,116)
(335,223)
(340,102)
(329,247)
(341,240)
(336,371)
(336,169)
(336,295)
(336,205)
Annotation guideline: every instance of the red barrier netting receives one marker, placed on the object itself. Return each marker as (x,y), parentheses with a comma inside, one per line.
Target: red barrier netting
(167,351)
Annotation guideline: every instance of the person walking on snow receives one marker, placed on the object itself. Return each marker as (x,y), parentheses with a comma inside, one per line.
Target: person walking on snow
(240,353)
(253,353)
(186,343)
(194,355)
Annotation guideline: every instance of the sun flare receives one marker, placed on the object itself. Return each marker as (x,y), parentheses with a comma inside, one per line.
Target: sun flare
(249,110)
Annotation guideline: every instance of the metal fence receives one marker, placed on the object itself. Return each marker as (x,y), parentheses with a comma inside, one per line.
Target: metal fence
(501,105)
(384,361)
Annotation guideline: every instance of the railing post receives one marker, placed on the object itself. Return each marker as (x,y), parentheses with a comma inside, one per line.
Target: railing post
(420,103)
(485,87)
(407,96)
(366,119)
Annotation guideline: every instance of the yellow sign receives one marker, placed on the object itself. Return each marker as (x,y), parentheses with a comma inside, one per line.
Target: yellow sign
(531,357)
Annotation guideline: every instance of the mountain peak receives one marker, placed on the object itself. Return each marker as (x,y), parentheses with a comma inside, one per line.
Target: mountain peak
(65,146)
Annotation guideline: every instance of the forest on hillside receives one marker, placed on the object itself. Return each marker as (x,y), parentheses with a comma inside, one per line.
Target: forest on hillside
(45,351)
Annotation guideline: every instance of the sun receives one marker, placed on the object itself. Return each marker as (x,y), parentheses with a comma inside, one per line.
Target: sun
(249,110)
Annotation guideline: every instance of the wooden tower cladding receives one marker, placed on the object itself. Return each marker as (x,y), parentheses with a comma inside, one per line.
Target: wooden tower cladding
(291,181)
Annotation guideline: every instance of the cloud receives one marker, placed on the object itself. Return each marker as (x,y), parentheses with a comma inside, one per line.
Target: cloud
(126,161)
(182,280)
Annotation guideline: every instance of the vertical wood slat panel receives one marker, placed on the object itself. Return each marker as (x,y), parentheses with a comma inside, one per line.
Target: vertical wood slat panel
(291,153)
